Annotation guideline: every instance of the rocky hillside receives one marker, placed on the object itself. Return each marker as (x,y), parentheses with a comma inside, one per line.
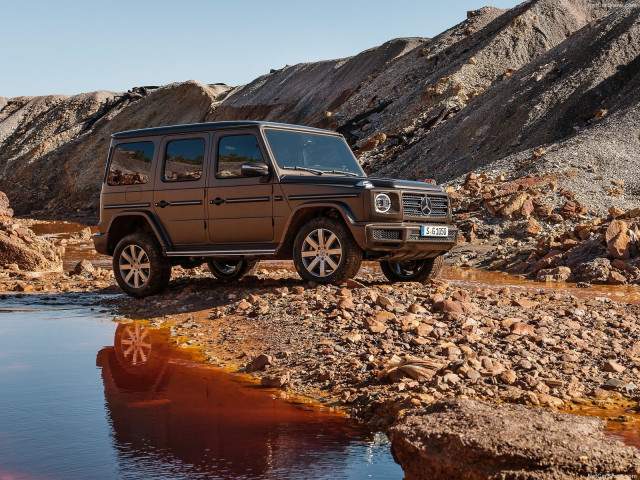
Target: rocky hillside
(556,75)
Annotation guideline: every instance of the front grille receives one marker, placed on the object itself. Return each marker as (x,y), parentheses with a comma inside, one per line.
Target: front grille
(387,234)
(412,205)
(414,236)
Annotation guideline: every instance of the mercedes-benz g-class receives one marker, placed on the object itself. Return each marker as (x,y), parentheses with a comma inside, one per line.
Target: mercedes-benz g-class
(232,193)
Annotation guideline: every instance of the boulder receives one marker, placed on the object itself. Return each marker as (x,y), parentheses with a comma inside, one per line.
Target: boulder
(597,270)
(618,239)
(558,274)
(456,438)
(5,211)
(514,204)
(20,246)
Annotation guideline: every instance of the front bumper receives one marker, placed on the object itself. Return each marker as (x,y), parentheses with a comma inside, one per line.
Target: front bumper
(100,243)
(402,241)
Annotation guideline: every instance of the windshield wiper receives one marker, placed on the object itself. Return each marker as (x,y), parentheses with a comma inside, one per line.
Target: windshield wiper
(351,174)
(306,169)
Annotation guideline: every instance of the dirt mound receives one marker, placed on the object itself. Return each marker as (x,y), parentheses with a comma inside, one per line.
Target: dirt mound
(20,248)
(459,439)
(54,149)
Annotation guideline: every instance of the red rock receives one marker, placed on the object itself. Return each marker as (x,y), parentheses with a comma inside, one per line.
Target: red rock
(558,274)
(384,316)
(260,362)
(618,239)
(616,278)
(551,259)
(533,227)
(615,212)
(520,328)
(612,366)
(524,303)
(527,208)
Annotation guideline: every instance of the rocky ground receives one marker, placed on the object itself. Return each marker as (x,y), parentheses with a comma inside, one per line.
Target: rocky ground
(382,351)
(542,231)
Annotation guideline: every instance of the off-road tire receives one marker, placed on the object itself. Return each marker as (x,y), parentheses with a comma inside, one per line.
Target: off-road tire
(158,272)
(244,267)
(350,257)
(416,270)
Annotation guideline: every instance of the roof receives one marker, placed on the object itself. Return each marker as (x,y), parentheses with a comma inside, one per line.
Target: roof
(202,127)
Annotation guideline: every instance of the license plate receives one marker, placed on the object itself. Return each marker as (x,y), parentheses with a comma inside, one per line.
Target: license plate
(431,231)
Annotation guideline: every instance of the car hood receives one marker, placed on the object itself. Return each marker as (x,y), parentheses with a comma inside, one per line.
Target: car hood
(360,181)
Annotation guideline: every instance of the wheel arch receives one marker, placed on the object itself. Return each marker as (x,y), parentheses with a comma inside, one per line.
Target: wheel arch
(132,221)
(308,211)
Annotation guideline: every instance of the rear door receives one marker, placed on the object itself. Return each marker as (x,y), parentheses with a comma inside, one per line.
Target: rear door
(179,196)
(240,209)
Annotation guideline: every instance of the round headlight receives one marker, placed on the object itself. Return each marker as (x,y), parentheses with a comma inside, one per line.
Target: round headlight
(382,203)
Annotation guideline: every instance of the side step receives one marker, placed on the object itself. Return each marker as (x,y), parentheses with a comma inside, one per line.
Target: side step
(220,253)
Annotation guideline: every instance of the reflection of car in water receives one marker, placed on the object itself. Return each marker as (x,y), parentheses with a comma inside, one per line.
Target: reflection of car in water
(171,415)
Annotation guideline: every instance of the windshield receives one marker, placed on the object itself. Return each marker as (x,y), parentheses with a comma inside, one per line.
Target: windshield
(312,152)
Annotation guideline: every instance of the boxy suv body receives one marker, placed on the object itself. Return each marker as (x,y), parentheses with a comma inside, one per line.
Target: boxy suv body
(232,193)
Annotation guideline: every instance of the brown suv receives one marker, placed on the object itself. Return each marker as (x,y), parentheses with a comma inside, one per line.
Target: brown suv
(232,193)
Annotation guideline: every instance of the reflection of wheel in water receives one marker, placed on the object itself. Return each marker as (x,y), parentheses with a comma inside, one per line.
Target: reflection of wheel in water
(135,344)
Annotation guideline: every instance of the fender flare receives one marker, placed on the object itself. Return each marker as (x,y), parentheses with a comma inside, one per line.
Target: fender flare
(151,219)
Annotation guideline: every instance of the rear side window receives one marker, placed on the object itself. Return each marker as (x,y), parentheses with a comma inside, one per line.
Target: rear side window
(183,160)
(130,163)
(235,150)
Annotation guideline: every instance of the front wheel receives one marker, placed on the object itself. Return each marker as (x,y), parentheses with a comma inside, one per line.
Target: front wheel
(230,269)
(139,266)
(412,270)
(325,252)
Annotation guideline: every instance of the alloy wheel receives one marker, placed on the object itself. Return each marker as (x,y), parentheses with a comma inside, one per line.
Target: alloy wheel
(134,266)
(321,252)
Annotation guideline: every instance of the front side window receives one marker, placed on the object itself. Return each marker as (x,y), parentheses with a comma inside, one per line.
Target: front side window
(235,150)
(130,163)
(183,160)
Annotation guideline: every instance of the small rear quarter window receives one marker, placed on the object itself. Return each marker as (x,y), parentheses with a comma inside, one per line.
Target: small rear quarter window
(130,163)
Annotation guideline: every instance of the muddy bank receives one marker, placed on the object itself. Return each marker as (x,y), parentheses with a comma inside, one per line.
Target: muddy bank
(478,441)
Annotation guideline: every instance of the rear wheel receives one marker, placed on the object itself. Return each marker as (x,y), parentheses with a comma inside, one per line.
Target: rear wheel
(325,252)
(139,266)
(412,270)
(230,269)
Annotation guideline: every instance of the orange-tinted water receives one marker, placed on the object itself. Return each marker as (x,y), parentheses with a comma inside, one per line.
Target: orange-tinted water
(142,408)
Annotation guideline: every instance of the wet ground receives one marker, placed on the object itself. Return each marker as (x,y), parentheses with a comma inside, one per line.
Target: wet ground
(165,403)
(84,397)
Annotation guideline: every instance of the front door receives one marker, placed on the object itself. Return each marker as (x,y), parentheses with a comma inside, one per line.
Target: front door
(240,209)
(179,196)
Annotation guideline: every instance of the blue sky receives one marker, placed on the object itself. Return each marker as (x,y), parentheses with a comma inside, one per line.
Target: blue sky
(68,47)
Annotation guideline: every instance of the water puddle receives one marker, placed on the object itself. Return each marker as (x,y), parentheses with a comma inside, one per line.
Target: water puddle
(623,423)
(76,249)
(139,407)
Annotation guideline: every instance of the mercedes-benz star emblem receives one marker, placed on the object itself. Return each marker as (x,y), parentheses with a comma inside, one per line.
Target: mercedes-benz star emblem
(425,205)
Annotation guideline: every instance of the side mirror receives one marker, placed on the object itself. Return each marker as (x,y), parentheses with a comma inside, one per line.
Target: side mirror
(254,169)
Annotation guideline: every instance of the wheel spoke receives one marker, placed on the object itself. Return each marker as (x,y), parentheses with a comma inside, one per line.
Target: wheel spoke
(321,238)
(143,276)
(323,264)
(145,265)
(129,275)
(126,256)
(331,263)
(310,253)
(312,265)
(136,279)
(332,239)
(335,251)
(132,252)
(126,267)
(139,259)
(310,241)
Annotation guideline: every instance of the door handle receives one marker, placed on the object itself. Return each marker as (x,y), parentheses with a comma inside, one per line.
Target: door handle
(217,201)
(163,204)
